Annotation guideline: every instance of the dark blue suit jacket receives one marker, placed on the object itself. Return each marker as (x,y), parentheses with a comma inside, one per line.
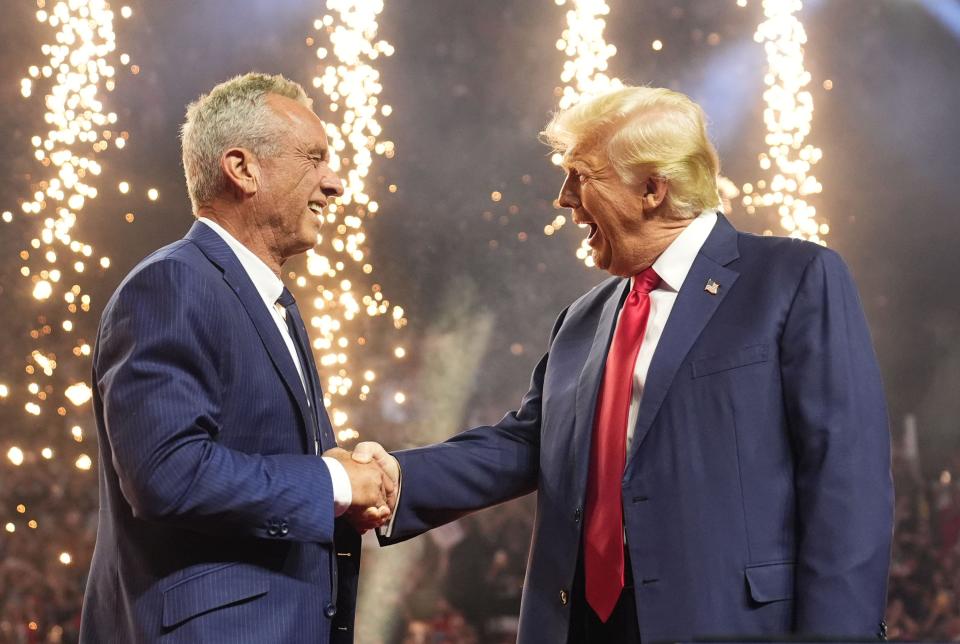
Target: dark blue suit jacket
(757,494)
(216,518)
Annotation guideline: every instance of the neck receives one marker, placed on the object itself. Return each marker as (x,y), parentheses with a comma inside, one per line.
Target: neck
(241,226)
(655,235)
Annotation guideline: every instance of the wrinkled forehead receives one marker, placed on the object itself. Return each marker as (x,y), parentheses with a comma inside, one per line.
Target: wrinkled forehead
(590,152)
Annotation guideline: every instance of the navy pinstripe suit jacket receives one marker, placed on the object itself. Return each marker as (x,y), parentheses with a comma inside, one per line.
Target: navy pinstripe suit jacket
(757,494)
(216,519)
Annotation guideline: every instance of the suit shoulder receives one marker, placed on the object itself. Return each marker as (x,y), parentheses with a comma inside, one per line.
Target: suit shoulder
(790,265)
(182,251)
(180,263)
(771,250)
(182,257)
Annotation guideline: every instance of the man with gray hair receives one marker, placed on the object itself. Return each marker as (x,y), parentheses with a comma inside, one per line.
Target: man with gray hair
(219,520)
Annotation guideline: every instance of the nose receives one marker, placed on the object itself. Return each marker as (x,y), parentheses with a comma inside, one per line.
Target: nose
(331,185)
(569,193)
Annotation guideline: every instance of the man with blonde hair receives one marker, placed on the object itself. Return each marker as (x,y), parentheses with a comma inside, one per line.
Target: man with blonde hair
(218,516)
(707,432)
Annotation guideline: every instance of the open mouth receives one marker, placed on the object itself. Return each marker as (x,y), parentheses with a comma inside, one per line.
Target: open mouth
(594,232)
(316,208)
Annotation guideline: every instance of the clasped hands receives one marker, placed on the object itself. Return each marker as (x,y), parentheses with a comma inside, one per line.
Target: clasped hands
(374,480)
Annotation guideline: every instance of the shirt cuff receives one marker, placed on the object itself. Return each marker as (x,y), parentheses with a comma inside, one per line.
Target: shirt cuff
(342,492)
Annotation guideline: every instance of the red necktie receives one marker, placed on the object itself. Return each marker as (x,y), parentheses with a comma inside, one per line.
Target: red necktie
(603,542)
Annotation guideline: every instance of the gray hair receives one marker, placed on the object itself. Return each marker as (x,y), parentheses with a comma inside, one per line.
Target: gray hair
(234,114)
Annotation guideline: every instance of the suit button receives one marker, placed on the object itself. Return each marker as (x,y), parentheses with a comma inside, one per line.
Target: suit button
(273,530)
(284,530)
(563,597)
(578,514)
(329,610)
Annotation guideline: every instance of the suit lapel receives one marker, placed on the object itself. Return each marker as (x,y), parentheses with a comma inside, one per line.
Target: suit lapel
(588,386)
(217,251)
(690,313)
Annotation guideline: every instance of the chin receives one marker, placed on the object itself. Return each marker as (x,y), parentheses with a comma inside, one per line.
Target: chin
(614,269)
(307,244)
(303,243)
(602,261)
(309,235)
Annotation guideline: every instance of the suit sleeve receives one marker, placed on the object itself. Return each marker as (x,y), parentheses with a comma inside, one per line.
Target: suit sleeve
(156,370)
(839,430)
(473,470)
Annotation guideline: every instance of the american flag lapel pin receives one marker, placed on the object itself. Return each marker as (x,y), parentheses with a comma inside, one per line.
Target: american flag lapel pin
(712,287)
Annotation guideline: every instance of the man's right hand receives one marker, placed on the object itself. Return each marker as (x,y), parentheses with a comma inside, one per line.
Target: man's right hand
(371,487)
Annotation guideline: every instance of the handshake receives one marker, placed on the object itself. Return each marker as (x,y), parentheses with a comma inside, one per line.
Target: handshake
(374,480)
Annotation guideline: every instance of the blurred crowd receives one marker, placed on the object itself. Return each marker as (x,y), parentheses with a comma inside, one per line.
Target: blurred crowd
(924,591)
(463,586)
(52,511)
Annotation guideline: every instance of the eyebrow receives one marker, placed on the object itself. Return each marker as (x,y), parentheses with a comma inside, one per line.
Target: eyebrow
(574,156)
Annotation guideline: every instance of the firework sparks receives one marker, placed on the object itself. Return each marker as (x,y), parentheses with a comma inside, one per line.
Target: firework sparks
(584,74)
(351,85)
(79,66)
(584,71)
(788,116)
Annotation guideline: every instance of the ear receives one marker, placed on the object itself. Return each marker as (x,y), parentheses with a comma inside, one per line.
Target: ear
(241,169)
(654,192)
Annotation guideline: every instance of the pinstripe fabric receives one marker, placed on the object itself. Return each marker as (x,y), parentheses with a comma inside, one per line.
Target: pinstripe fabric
(757,497)
(216,521)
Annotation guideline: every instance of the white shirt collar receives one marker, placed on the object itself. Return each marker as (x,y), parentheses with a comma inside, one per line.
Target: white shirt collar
(265,280)
(674,263)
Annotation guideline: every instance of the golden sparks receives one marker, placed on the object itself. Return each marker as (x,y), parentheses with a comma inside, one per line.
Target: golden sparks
(79,393)
(350,83)
(78,68)
(584,74)
(584,71)
(15,454)
(788,116)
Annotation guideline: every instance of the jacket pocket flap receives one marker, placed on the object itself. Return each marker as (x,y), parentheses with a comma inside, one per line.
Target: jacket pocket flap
(209,590)
(739,358)
(771,582)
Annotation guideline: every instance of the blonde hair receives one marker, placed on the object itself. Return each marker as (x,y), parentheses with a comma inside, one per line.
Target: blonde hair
(234,114)
(646,131)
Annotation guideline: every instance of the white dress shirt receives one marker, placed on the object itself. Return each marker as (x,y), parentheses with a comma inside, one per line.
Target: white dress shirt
(672,266)
(270,287)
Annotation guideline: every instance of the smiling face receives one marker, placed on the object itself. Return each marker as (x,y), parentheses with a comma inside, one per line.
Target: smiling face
(297,183)
(613,210)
